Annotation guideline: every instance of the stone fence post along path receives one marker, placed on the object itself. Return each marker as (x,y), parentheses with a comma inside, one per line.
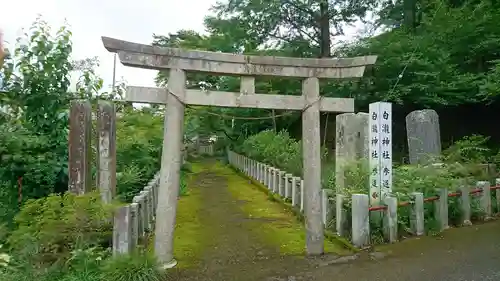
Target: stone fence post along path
(424,137)
(177,61)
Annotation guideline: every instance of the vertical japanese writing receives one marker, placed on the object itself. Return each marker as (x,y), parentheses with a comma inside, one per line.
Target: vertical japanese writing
(380,135)
(386,148)
(374,151)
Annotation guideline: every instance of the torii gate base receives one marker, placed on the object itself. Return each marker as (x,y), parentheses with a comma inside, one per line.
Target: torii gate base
(176,96)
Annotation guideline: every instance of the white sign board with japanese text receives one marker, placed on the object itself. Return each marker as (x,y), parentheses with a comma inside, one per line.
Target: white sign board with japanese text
(380,152)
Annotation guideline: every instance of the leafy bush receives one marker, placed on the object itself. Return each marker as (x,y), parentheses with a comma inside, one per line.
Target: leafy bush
(49,229)
(91,264)
(277,149)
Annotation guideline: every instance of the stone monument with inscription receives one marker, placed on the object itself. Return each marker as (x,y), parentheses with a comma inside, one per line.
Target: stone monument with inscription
(380,126)
(424,138)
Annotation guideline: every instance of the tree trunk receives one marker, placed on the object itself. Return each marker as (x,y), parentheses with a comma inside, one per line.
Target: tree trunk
(324,27)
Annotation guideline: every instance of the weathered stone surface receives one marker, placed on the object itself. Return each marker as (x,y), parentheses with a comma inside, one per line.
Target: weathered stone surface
(134,225)
(341,215)
(122,231)
(288,185)
(424,137)
(141,215)
(351,144)
(106,150)
(441,209)
(171,161)
(161,58)
(391,219)
(80,128)
(360,220)
(465,205)
(417,219)
(485,198)
(295,191)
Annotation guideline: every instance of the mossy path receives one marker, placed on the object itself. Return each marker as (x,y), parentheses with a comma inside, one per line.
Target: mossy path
(228,230)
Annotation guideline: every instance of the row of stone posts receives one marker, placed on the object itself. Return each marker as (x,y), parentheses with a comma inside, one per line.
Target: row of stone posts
(133,222)
(361,211)
(287,186)
(291,188)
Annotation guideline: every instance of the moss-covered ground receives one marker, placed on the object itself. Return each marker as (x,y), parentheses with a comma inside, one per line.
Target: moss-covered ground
(228,229)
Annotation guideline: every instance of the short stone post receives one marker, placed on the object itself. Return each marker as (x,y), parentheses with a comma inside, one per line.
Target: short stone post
(391,219)
(281,183)
(424,137)
(269,179)
(106,150)
(288,187)
(340,215)
(360,220)
(485,198)
(275,174)
(325,206)
(147,212)
(134,225)
(263,173)
(295,191)
(417,218)
(80,129)
(301,195)
(465,207)
(122,231)
(497,194)
(141,215)
(441,209)
(245,165)
(151,207)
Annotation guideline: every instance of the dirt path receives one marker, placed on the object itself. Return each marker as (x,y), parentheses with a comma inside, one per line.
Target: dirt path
(230,231)
(245,236)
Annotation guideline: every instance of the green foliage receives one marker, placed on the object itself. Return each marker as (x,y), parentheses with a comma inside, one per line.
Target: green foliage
(79,221)
(277,149)
(92,264)
(470,149)
(139,137)
(134,267)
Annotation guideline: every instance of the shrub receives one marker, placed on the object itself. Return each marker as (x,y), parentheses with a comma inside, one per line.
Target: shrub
(133,267)
(49,229)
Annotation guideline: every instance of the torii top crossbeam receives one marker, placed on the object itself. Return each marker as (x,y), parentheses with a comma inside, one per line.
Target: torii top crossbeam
(160,58)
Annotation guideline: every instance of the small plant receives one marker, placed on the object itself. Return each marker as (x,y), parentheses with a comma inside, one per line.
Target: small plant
(133,267)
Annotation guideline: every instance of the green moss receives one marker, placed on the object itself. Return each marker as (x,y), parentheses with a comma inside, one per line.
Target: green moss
(188,241)
(281,229)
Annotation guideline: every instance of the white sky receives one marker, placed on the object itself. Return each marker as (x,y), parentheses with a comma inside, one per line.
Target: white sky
(129,20)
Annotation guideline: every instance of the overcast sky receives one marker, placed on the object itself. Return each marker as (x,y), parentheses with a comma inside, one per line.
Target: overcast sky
(129,20)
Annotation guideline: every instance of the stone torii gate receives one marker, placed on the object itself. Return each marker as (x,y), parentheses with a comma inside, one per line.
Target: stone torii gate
(176,96)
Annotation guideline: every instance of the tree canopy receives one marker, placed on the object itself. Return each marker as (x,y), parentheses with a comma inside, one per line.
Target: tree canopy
(431,53)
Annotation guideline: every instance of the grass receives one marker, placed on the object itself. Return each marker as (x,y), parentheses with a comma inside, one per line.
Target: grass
(189,230)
